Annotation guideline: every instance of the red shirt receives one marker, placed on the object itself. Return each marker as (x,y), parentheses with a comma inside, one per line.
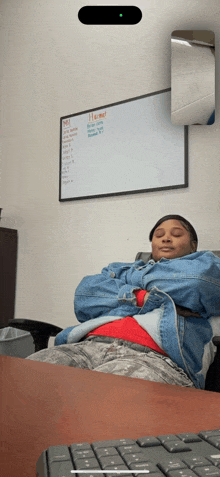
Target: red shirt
(128,329)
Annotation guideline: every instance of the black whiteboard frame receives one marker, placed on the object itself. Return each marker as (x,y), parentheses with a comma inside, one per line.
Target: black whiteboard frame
(139,191)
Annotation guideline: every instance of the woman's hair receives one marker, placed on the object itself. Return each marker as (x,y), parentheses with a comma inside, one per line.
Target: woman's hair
(185,223)
(192,238)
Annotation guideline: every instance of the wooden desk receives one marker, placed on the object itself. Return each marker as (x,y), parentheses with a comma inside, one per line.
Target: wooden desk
(45,404)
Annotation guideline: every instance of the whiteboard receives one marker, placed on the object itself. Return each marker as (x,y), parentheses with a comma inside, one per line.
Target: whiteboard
(123,148)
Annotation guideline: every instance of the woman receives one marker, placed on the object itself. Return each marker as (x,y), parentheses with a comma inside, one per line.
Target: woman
(130,324)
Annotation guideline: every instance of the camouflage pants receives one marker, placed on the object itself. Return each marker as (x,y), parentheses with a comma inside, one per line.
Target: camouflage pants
(116,356)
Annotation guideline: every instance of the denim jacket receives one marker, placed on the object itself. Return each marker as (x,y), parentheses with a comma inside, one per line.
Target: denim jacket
(192,281)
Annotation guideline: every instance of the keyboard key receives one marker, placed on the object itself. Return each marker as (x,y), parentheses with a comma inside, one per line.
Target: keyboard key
(214,459)
(83,445)
(182,473)
(136,474)
(84,464)
(210,471)
(61,469)
(93,474)
(174,446)
(168,437)
(117,467)
(215,441)
(134,458)
(196,461)
(171,464)
(154,474)
(148,466)
(115,474)
(111,460)
(206,434)
(129,449)
(113,443)
(105,451)
(58,453)
(148,441)
(189,437)
(83,454)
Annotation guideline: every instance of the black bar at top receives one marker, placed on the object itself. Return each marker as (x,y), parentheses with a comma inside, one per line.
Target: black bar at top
(110,15)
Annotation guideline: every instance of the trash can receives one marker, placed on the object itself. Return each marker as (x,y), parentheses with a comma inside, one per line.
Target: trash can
(17,343)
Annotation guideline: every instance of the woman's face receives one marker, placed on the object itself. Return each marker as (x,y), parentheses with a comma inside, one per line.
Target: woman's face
(171,240)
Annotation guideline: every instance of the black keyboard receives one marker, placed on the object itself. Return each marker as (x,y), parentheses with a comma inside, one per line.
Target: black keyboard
(180,455)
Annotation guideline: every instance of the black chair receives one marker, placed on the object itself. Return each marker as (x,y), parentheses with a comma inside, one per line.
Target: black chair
(41,333)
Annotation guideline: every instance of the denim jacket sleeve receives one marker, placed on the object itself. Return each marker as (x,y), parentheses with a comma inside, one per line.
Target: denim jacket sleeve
(108,293)
(192,281)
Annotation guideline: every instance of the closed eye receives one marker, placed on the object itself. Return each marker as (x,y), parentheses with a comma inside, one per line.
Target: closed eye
(175,234)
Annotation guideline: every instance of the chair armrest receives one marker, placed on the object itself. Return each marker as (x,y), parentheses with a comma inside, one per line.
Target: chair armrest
(213,376)
(143,256)
(216,340)
(39,330)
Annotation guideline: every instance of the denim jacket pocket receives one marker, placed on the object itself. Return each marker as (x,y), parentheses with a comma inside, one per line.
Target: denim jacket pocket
(181,329)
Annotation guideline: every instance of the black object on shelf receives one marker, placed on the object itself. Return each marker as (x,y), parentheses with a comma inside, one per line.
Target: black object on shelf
(8,265)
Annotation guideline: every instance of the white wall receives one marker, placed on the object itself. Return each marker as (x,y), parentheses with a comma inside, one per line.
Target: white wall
(52,66)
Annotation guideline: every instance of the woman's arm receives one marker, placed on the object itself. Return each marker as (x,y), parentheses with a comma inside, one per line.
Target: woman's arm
(106,293)
(193,282)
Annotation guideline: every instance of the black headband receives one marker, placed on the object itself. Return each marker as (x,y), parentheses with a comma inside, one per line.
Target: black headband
(175,217)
